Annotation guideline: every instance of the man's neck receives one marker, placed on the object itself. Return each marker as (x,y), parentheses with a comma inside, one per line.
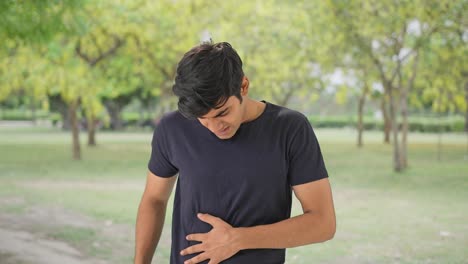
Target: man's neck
(254,109)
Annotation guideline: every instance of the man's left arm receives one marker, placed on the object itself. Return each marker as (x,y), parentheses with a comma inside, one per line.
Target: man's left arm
(316,224)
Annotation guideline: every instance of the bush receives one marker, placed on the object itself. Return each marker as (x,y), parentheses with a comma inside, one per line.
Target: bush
(416,124)
(21,115)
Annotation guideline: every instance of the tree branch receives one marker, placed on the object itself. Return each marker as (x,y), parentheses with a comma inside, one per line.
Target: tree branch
(415,69)
(93,61)
(150,55)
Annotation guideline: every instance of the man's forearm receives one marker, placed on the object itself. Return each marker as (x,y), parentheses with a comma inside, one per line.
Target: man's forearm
(301,230)
(149,225)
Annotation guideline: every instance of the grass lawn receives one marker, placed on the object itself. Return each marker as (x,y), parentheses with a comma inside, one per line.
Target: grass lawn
(418,216)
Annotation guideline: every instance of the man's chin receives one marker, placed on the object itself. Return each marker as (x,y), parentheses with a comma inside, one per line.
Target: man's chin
(226,136)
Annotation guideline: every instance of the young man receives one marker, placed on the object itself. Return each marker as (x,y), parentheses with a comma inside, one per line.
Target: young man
(238,161)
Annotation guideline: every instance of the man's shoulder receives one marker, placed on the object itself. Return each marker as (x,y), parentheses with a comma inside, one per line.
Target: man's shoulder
(171,119)
(286,115)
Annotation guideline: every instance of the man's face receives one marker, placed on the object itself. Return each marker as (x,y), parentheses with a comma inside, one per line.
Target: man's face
(225,121)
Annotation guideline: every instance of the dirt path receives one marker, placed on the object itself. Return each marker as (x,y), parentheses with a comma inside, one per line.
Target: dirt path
(25,236)
(21,246)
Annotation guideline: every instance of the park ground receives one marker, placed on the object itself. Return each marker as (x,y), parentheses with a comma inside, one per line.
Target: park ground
(56,210)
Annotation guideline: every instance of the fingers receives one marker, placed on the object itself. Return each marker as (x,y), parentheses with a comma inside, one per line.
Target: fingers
(197,237)
(197,259)
(193,249)
(212,220)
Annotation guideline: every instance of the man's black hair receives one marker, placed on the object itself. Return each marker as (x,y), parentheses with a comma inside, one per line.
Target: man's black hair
(206,77)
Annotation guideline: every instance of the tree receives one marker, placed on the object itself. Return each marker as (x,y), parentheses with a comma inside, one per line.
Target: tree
(272,40)
(97,51)
(391,35)
(34,22)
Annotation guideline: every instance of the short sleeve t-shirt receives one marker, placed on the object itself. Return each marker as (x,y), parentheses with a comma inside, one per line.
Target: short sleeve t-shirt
(245,180)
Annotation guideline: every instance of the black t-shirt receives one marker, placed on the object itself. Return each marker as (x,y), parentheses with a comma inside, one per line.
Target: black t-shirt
(245,180)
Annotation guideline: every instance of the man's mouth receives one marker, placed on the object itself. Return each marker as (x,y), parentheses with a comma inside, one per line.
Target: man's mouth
(223,131)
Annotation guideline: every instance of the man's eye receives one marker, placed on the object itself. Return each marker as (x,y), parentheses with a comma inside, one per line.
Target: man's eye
(223,114)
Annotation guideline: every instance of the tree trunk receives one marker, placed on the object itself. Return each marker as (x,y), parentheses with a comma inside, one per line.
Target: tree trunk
(439,143)
(287,97)
(404,110)
(283,96)
(404,137)
(360,125)
(114,110)
(386,118)
(57,104)
(91,130)
(66,122)
(466,106)
(466,111)
(397,166)
(33,110)
(75,130)
(141,116)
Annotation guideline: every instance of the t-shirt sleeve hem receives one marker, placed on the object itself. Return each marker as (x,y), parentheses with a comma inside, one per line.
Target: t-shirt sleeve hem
(160,173)
(321,176)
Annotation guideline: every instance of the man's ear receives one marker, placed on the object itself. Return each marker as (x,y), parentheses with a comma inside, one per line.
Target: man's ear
(245,86)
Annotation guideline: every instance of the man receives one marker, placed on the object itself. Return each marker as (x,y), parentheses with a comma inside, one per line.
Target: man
(238,161)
